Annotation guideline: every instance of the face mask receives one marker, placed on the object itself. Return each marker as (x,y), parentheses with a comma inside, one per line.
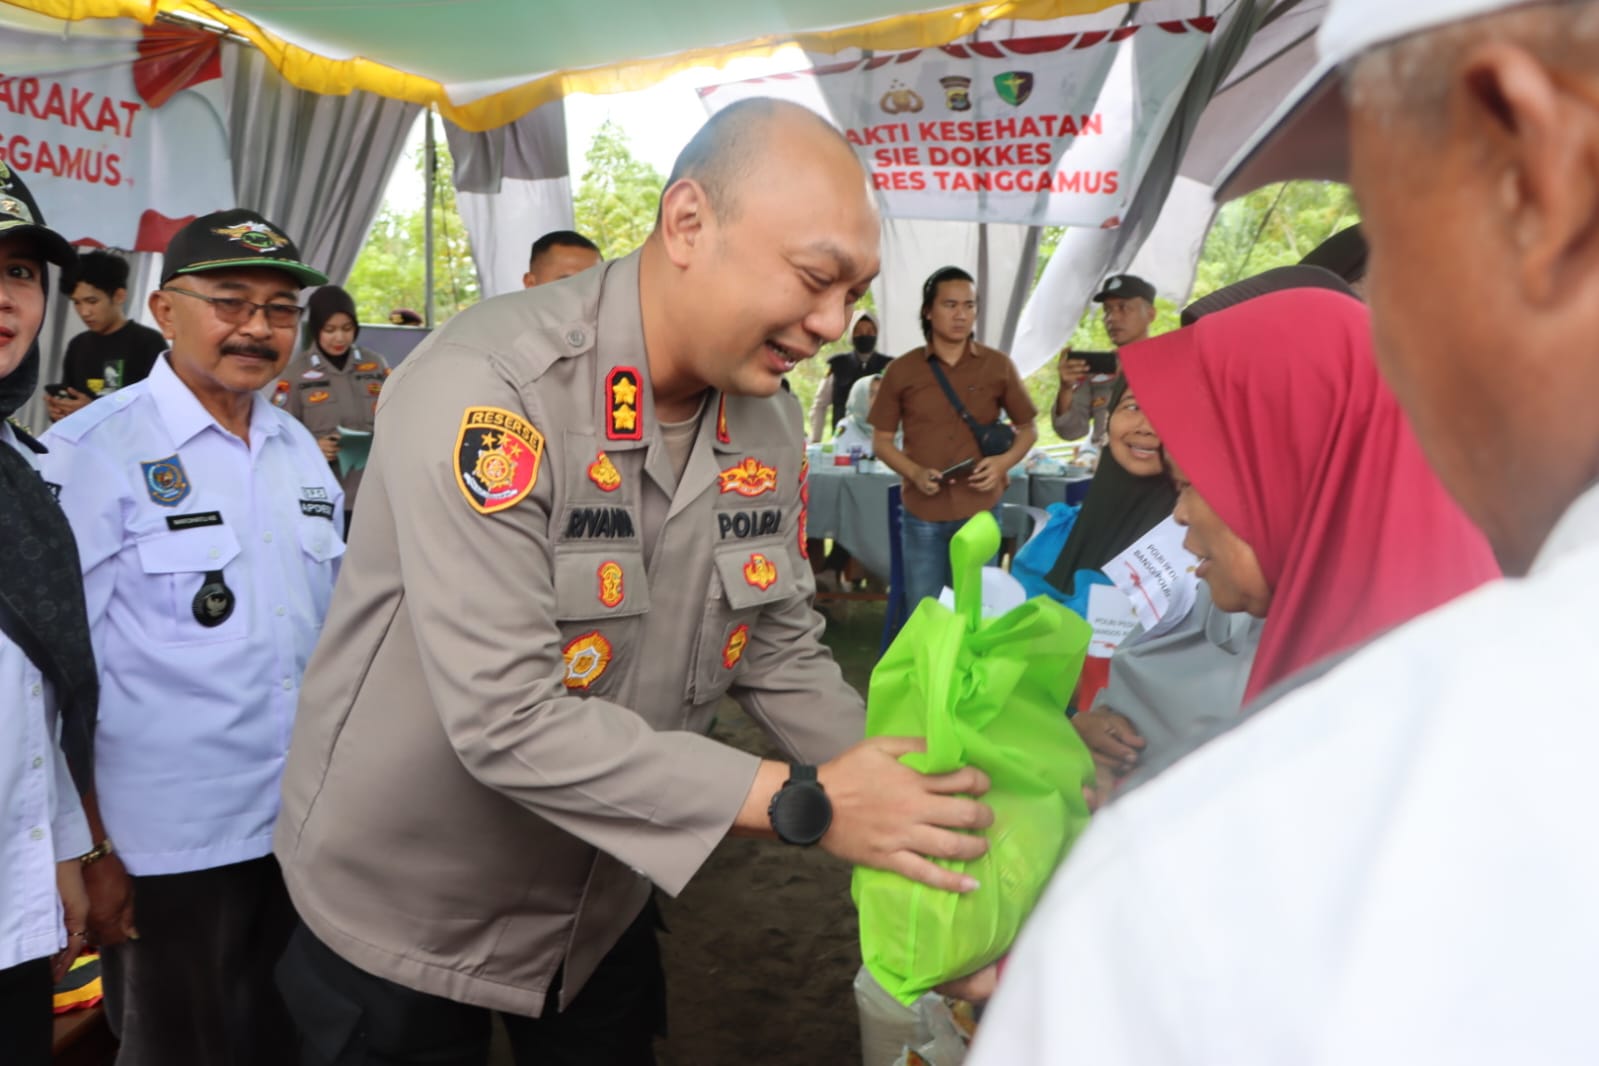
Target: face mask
(864,343)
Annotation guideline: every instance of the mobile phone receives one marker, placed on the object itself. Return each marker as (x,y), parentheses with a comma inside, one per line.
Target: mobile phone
(953,472)
(59,391)
(1098,362)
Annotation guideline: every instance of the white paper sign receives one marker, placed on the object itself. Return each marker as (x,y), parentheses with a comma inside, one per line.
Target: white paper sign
(1157,577)
(1111,615)
(1001,593)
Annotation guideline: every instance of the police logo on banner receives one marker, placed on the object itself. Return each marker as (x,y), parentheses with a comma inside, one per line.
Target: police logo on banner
(497,456)
(165,481)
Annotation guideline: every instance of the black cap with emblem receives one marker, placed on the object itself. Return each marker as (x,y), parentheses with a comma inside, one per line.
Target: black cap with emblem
(238,238)
(1125,287)
(20,217)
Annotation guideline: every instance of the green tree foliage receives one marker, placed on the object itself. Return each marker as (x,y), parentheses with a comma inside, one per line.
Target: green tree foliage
(616,201)
(390,270)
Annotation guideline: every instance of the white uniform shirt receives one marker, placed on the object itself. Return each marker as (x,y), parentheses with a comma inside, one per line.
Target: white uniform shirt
(41,821)
(1398,863)
(195,719)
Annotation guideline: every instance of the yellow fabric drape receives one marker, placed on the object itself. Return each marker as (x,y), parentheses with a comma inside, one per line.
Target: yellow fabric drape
(336,77)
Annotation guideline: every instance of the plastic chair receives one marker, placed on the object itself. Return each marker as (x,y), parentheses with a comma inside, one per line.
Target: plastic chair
(898,610)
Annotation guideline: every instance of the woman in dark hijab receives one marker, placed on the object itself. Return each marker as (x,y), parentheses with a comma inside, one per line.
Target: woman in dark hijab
(1130,495)
(47,674)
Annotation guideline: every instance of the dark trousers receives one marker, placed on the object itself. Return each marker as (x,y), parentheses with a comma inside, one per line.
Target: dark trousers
(348,1017)
(196,988)
(26,1024)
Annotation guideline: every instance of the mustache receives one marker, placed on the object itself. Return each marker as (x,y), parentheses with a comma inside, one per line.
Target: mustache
(259,351)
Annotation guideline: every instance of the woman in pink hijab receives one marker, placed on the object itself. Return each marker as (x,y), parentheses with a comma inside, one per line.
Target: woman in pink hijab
(1304,491)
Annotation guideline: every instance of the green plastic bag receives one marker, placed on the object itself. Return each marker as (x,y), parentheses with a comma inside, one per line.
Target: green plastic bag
(991,694)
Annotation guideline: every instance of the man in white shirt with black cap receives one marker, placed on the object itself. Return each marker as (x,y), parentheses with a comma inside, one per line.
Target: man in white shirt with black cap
(1396,862)
(208,528)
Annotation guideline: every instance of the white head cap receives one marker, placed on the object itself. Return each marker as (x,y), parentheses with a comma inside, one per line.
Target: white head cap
(1307,137)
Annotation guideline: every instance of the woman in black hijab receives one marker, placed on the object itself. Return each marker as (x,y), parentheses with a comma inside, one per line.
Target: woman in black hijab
(1131,494)
(46,666)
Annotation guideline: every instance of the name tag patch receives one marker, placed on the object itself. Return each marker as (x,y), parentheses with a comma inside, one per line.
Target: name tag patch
(315,509)
(194,521)
(744,524)
(599,523)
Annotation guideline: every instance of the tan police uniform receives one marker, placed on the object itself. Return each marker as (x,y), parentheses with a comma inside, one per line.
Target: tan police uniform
(323,397)
(500,742)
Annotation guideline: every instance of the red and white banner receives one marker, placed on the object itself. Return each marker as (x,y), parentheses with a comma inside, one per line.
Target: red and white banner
(120,139)
(1051,130)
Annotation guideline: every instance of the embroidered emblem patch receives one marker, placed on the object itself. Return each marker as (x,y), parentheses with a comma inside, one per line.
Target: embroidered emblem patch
(365,368)
(313,375)
(610,575)
(722,436)
(253,235)
(603,473)
(319,396)
(374,387)
(166,481)
(622,421)
(497,458)
(748,478)
(280,395)
(586,658)
(760,571)
(737,641)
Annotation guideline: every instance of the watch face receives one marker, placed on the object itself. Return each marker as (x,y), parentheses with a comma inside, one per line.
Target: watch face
(801,813)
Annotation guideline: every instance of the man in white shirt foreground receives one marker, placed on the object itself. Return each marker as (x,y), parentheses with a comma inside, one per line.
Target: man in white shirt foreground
(1396,863)
(208,527)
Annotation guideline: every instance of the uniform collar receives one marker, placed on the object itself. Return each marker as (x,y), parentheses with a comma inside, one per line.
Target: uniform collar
(182,413)
(1577,529)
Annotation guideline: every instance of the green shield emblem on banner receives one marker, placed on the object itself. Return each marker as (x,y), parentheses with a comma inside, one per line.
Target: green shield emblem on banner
(1014,86)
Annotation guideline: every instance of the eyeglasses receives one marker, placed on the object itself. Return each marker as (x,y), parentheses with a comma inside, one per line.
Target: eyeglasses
(236,312)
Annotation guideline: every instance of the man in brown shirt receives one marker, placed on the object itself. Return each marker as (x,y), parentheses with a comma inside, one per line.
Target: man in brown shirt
(938,499)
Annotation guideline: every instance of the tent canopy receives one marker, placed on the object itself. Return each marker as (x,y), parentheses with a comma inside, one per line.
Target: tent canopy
(484,63)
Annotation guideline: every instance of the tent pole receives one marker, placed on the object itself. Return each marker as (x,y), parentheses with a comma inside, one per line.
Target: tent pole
(431,166)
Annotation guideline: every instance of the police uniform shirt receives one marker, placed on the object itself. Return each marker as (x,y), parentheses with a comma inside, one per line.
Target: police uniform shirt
(537,624)
(325,398)
(208,565)
(41,820)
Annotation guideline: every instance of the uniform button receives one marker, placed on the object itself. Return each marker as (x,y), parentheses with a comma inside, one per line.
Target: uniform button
(321,544)
(282,611)
(38,761)
(288,683)
(35,691)
(576,338)
(267,537)
(36,834)
(216,553)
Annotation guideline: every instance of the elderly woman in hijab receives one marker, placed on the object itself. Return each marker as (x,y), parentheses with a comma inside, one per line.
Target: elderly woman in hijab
(48,684)
(855,431)
(1304,492)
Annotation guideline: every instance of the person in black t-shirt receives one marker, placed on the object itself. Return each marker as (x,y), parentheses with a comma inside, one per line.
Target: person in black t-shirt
(113,351)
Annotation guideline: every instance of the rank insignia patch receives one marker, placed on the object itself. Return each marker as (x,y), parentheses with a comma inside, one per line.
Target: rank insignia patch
(722,436)
(748,478)
(586,658)
(622,421)
(610,575)
(280,395)
(760,571)
(319,396)
(603,473)
(737,641)
(497,458)
(165,481)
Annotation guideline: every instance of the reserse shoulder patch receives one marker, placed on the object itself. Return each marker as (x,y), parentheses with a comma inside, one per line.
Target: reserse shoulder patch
(497,457)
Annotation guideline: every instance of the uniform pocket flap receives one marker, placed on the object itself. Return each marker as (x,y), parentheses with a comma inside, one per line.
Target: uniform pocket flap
(196,550)
(599,584)
(754,576)
(320,540)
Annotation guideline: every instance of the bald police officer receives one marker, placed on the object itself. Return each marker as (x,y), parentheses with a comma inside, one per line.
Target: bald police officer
(591,528)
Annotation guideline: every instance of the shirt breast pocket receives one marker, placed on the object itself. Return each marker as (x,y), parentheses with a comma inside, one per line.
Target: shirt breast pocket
(599,598)
(748,577)
(192,597)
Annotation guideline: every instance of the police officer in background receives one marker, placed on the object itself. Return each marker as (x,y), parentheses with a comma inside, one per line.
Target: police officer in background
(590,526)
(332,386)
(208,528)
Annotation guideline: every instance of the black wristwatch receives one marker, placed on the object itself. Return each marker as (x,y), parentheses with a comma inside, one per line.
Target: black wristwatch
(800,811)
